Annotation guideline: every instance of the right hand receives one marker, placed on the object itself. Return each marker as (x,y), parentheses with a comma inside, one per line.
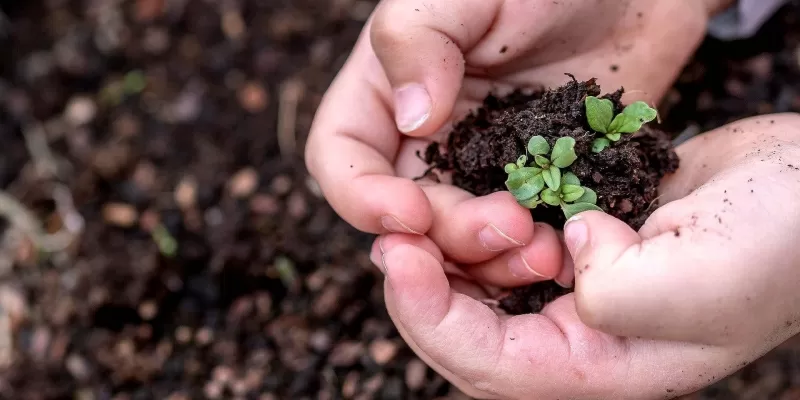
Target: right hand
(419,65)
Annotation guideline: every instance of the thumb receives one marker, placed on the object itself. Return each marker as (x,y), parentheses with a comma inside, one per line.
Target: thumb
(653,286)
(420,45)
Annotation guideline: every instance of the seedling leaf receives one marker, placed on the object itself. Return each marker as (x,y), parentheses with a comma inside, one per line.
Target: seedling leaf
(571,210)
(570,193)
(538,146)
(589,196)
(521,175)
(564,152)
(542,161)
(528,189)
(632,118)
(552,177)
(570,179)
(600,144)
(599,113)
(522,160)
(510,167)
(613,136)
(531,203)
(551,197)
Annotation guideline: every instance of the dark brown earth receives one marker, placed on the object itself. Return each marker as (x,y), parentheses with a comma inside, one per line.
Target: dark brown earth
(269,294)
(625,176)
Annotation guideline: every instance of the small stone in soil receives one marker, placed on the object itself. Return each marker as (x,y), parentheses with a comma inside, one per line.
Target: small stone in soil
(382,351)
(120,214)
(80,110)
(253,97)
(243,183)
(186,193)
(415,374)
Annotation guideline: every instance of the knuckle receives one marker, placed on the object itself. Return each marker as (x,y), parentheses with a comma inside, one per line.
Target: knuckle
(387,31)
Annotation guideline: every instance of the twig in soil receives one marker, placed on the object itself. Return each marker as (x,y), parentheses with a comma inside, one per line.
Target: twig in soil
(290,94)
(45,162)
(22,219)
(6,344)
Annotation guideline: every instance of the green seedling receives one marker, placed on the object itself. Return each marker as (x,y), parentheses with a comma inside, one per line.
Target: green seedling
(544,183)
(167,245)
(600,115)
(571,196)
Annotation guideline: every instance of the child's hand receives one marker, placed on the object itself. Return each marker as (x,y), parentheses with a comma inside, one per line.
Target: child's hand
(708,285)
(420,64)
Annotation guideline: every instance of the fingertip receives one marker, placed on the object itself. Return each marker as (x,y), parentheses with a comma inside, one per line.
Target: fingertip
(388,242)
(389,204)
(543,255)
(418,284)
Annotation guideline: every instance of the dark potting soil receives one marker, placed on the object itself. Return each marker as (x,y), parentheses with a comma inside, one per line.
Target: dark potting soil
(625,175)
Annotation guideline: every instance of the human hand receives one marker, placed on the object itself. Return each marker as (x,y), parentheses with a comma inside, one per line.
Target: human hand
(420,65)
(706,286)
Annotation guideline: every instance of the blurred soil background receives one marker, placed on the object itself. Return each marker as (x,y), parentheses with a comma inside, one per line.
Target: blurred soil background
(163,139)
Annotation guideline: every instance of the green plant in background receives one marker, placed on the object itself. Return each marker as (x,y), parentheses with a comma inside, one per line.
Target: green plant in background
(544,181)
(167,245)
(600,115)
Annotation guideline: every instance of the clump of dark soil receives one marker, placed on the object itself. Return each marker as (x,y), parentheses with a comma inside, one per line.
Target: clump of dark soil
(625,176)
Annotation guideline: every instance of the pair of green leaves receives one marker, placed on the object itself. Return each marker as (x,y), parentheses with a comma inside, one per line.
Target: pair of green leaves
(600,115)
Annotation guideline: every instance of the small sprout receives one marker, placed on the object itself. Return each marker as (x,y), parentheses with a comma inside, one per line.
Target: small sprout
(571,197)
(526,182)
(286,271)
(167,245)
(544,183)
(600,115)
(600,144)
(134,82)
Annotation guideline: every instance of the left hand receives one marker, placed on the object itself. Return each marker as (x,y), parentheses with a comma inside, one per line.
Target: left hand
(706,286)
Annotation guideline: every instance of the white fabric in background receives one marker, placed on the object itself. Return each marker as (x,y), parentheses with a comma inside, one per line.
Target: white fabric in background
(744,19)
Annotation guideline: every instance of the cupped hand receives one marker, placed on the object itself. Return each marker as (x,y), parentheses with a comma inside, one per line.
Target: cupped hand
(419,65)
(707,285)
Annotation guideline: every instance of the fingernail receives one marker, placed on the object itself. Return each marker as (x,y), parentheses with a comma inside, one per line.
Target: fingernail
(412,107)
(564,285)
(493,239)
(520,268)
(392,224)
(575,234)
(377,259)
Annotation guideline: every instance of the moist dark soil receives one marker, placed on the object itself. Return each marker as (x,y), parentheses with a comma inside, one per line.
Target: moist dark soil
(269,295)
(625,176)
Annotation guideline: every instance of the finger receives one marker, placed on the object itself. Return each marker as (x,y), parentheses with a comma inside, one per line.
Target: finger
(420,45)
(673,267)
(539,260)
(547,355)
(352,158)
(464,338)
(472,229)
(645,71)
(566,276)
